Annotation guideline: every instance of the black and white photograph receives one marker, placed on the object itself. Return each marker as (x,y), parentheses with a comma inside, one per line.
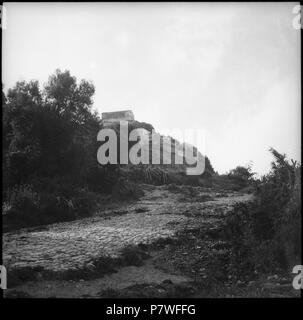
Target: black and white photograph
(151,150)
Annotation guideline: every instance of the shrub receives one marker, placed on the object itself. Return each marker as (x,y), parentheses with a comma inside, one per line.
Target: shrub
(126,190)
(206,182)
(241,175)
(54,208)
(223,182)
(133,256)
(84,204)
(266,233)
(22,204)
(22,193)
(25,207)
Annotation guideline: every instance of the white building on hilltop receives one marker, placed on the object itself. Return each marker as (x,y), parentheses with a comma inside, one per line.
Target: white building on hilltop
(109,117)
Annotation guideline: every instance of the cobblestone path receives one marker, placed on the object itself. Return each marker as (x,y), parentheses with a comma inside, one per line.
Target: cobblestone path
(74,245)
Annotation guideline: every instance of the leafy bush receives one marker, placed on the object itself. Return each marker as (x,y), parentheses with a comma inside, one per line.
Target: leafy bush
(224,182)
(22,204)
(241,175)
(49,144)
(266,234)
(84,204)
(125,189)
(54,208)
(25,207)
(133,256)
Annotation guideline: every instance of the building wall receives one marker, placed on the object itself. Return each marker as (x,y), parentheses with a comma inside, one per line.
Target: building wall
(117,116)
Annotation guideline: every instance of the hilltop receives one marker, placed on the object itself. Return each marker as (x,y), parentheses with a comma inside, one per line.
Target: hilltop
(164,148)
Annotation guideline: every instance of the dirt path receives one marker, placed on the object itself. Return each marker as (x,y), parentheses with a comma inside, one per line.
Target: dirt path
(76,245)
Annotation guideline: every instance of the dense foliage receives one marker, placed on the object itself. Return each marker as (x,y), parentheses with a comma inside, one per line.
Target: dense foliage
(49,143)
(266,233)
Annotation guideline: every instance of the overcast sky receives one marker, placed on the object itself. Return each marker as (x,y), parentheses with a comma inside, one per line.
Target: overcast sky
(231,69)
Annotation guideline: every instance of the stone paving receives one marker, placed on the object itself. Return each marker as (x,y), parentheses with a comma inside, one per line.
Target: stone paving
(75,245)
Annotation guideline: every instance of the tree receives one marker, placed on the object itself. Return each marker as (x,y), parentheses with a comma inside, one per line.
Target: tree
(20,142)
(51,132)
(67,97)
(241,175)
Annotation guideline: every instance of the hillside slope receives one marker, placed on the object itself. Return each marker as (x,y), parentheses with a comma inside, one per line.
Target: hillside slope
(164,148)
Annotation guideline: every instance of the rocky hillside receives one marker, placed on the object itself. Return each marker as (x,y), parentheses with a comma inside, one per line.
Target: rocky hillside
(165,148)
